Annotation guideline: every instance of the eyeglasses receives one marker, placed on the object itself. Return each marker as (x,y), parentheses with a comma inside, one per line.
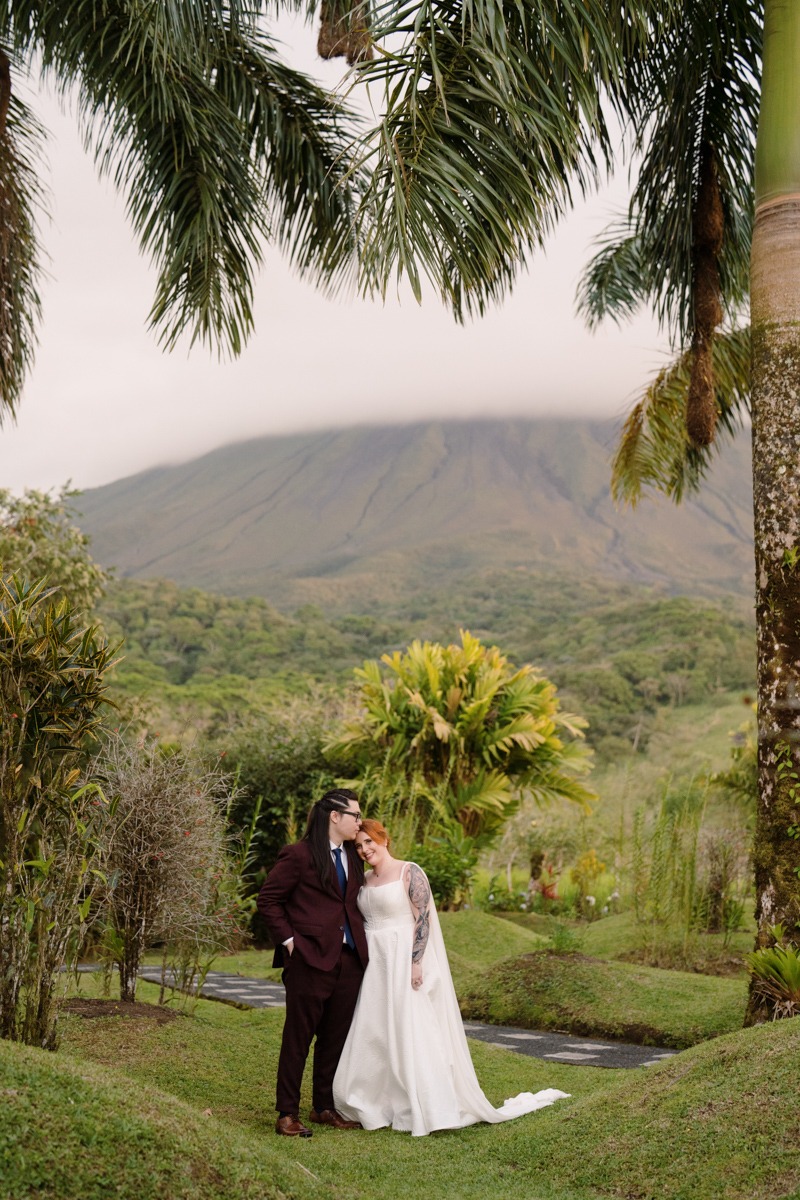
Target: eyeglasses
(348,812)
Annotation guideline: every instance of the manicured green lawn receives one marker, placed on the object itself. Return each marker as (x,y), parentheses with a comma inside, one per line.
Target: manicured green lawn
(119,1111)
(573,993)
(500,979)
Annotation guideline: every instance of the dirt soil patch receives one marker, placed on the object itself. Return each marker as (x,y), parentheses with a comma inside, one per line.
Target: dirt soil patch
(81,1007)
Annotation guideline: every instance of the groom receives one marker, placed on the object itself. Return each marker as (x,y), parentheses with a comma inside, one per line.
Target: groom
(309,905)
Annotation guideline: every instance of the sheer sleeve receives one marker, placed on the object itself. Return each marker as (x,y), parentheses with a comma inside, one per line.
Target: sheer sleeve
(419,895)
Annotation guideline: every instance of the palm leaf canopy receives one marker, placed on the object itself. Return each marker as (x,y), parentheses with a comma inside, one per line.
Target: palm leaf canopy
(494,118)
(696,86)
(496,114)
(20,258)
(695,94)
(217,145)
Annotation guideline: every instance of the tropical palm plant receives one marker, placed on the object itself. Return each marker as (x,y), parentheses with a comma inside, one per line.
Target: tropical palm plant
(468,733)
(215,142)
(496,114)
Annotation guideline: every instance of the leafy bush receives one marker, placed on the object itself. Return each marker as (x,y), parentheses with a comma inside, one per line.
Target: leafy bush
(665,879)
(39,540)
(496,896)
(449,867)
(279,765)
(52,689)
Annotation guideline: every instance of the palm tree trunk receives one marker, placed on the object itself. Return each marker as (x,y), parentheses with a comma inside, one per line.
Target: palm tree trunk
(775,303)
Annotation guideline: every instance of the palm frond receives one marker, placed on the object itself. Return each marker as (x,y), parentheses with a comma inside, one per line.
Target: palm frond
(654,451)
(302,137)
(619,279)
(216,144)
(698,85)
(556,786)
(493,120)
(21,198)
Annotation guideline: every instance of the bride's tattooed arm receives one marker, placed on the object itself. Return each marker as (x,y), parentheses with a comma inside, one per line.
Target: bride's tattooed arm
(419,893)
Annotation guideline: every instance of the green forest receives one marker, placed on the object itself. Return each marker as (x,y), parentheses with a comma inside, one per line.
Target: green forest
(617,653)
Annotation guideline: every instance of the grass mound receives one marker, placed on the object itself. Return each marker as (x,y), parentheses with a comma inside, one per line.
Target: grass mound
(575,994)
(619,936)
(76,1131)
(484,939)
(718,1122)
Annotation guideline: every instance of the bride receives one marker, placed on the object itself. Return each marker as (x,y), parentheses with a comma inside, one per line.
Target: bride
(406,1062)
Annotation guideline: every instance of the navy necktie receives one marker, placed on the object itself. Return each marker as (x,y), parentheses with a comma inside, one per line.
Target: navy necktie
(340,875)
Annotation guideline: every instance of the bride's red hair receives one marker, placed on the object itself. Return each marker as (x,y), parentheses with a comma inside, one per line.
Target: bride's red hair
(376,831)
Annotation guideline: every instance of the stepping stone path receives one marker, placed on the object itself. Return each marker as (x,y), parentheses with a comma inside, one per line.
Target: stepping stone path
(558,1047)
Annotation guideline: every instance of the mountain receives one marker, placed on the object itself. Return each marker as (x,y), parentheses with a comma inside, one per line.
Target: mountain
(341,516)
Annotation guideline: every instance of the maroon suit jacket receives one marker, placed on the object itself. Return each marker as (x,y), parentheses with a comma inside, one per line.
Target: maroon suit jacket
(294,903)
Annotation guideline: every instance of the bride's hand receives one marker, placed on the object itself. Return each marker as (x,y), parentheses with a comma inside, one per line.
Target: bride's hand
(416,976)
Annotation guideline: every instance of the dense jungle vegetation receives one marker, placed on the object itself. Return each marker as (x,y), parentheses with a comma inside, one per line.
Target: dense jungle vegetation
(618,653)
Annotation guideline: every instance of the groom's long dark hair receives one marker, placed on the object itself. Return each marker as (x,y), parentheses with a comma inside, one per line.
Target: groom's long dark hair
(316,834)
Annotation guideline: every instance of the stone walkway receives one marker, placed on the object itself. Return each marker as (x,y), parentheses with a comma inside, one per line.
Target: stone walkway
(559,1047)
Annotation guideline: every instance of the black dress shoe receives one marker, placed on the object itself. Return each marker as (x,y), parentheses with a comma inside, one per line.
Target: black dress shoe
(292,1127)
(329,1116)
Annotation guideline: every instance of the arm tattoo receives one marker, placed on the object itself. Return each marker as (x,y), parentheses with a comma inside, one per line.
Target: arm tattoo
(419,893)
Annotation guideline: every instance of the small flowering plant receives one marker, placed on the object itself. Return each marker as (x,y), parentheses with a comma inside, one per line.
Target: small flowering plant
(586,872)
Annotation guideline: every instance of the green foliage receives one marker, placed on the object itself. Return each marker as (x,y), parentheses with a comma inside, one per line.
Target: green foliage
(618,656)
(586,874)
(739,782)
(39,540)
(665,876)
(724,884)
(775,971)
(215,143)
(52,690)
(655,452)
(21,269)
(176,635)
(281,770)
(496,896)
(564,939)
(494,117)
(463,720)
(628,660)
(449,865)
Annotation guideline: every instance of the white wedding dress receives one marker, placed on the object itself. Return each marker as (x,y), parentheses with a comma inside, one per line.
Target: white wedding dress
(406,1062)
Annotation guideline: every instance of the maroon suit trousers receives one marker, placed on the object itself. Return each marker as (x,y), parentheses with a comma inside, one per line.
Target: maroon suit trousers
(320,1002)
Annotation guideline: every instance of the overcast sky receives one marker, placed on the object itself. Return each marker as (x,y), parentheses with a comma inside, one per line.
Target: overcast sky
(103,401)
